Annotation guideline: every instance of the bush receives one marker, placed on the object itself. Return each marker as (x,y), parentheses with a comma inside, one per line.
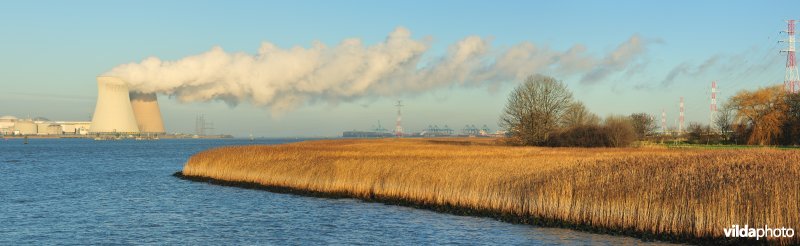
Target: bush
(580,136)
(620,130)
(615,132)
(703,134)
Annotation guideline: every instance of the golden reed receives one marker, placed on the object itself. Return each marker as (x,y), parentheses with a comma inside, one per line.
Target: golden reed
(687,195)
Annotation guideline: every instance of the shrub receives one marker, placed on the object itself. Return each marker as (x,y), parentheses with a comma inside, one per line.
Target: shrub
(580,136)
(620,131)
(614,132)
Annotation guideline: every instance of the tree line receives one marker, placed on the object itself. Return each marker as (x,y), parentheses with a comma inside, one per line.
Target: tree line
(766,116)
(541,111)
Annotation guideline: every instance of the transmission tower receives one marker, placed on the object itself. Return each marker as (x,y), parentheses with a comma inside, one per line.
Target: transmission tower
(398,128)
(664,121)
(792,80)
(201,126)
(713,103)
(198,125)
(680,119)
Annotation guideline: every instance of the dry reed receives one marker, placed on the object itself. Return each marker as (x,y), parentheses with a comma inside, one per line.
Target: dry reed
(686,195)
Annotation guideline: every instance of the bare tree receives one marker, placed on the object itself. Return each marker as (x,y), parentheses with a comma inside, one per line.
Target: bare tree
(643,124)
(578,115)
(534,109)
(723,119)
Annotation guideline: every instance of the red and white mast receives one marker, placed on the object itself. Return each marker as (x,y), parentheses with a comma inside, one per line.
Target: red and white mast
(791,83)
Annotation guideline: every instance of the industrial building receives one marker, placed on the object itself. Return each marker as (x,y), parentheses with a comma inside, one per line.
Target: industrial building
(25,127)
(10,125)
(74,127)
(7,124)
(119,110)
(47,128)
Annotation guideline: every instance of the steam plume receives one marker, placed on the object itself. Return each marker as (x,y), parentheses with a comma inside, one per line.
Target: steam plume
(283,79)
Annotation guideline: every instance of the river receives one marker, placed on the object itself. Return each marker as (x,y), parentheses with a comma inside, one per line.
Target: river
(80,191)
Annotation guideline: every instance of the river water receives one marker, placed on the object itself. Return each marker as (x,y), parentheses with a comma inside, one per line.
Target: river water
(80,191)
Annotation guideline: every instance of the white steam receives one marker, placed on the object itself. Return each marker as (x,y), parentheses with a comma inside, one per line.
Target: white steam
(283,79)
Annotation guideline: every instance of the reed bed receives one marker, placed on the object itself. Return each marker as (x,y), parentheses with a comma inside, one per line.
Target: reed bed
(683,195)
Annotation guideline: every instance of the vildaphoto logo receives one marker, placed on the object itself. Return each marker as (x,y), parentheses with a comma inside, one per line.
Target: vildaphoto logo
(758,232)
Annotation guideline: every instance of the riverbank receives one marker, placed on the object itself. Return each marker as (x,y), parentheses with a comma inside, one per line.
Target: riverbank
(117,137)
(679,195)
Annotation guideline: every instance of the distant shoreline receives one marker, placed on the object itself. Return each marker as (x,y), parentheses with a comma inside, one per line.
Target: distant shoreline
(93,136)
(654,194)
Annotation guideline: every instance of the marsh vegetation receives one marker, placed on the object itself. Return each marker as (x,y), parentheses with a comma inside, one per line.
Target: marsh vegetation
(686,195)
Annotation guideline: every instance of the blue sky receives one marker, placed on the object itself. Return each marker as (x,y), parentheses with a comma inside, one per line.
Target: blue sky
(52,51)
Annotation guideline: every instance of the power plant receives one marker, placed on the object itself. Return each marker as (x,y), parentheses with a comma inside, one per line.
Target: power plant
(119,110)
(119,114)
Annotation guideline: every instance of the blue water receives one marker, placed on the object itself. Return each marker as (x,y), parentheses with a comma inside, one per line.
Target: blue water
(78,191)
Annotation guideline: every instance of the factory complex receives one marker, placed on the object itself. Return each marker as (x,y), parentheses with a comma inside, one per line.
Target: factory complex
(118,113)
(13,126)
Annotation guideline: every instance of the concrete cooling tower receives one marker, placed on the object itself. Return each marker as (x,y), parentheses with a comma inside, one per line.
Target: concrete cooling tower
(146,112)
(113,112)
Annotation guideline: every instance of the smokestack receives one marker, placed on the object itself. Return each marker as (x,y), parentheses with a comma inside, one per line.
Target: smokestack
(146,112)
(113,112)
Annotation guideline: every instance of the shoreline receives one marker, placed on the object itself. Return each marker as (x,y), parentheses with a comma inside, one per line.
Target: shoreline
(462,211)
(92,137)
(669,195)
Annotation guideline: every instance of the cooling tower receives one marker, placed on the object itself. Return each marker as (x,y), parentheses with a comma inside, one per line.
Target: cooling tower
(147,113)
(113,112)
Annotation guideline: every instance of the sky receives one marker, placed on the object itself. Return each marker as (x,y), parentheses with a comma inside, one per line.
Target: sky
(617,57)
